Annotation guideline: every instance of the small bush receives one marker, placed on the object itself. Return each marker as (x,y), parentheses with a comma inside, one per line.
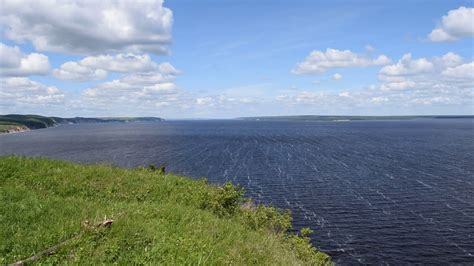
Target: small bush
(161,170)
(262,217)
(223,201)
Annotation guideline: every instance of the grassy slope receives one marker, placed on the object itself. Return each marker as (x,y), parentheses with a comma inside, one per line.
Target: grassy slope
(157,218)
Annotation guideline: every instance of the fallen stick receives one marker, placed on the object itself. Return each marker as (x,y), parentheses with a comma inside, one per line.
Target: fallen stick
(106,223)
(51,250)
(46,252)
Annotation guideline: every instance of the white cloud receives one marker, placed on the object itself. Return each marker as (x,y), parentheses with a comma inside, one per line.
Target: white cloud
(462,72)
(20,91)
(344,94)
(457,24)
(436,82)
(121,90)
(253,98)
(337,76)
(385,101)
(224,101)
(76,71)
(96,67)
(168,69)
(319,61)
(411,85)
(409,72)
(448,60)
(14,63)
(148,78)
(120,63)
(144,87)
(398,85)
(407,66)
(204,101)
(142,90)
(89,27)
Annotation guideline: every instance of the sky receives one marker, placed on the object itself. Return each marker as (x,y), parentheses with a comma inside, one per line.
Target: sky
(225,59)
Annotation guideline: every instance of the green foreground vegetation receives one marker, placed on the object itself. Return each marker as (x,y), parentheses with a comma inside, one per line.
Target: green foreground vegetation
(101,214)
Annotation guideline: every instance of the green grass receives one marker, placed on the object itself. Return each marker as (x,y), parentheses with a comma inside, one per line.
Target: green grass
(158,218)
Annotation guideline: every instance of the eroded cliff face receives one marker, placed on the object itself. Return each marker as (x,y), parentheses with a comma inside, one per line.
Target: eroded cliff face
(15,129)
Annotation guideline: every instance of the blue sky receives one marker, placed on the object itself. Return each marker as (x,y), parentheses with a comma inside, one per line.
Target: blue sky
(223,59)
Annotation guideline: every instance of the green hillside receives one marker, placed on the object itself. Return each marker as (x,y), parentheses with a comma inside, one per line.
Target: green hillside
(15,122)
(25,121)
(102,215)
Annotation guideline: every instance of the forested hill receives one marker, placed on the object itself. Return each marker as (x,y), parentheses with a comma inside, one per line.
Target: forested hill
(15,122)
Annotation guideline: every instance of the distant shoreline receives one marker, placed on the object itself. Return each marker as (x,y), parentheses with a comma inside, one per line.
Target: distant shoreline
(335,118)
(14,123)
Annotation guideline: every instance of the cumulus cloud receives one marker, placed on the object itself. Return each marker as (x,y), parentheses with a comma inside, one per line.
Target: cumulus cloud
(97,67)
(144,90)
(144,86)
(337,76)
(407,66)
(19,91)
(119,89)
(448,71)
(14,63)
(204,100)
(89,27)
(386,101)
(409,84)
(318,62)
(148,78)
(76,71)
(225,101)
(120,63)
(458,23)
(437,81)
(163,97)
(461,72)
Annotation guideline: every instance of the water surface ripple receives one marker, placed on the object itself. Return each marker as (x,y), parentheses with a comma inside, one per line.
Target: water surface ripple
(373,191)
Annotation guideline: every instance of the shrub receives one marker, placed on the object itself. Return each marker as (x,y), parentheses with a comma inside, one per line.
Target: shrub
(224,200)
(161,170)
(262,217)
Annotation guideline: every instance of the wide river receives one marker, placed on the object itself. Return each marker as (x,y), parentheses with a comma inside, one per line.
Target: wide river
(398,192)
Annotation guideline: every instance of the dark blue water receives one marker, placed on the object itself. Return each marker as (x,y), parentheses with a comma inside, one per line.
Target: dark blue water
(373,191)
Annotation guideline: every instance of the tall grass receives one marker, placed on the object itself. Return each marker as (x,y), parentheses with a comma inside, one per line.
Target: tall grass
(157,218)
